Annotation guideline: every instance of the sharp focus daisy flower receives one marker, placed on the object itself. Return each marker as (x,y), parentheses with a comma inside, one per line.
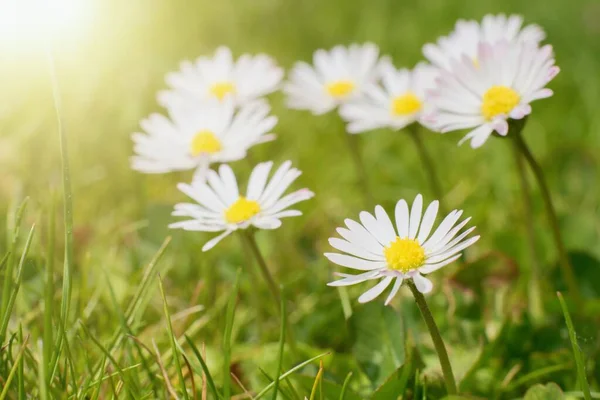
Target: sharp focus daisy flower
(409,251)
(197,135)
(484,97)
(221,207)
(468,34)
(246,79)
(338,75)
(398,102)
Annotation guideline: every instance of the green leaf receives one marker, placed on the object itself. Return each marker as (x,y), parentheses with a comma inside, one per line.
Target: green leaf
(379,341)
(551,391)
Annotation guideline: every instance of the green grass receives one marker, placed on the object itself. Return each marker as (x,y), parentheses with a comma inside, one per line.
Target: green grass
(97,327)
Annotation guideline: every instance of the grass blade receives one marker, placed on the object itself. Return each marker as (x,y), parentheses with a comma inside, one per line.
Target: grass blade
(17,285)
(227,336)
(13,370)
(345,385)
(281,344)
(585,386)
(316,385)
(172,339)
(211,382)
(288,373)
(49,295)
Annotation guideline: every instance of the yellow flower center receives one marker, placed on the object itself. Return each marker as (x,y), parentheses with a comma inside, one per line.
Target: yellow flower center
(406,104)
(222,89)
(340,88)
(242,210)
(404,255)
(205,142)
(499,100)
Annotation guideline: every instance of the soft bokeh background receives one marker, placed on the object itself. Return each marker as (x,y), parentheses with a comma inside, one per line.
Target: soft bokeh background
(109,69)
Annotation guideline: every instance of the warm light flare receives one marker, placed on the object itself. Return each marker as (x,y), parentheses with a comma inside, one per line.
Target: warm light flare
(24,23)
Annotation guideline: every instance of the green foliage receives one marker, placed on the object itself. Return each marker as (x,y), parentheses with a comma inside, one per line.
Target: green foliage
(82,314)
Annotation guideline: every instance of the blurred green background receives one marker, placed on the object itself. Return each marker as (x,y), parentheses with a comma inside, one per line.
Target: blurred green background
(109,72)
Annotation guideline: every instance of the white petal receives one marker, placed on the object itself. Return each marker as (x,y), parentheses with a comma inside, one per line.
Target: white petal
(258,180)
(359,236)
(423,284)
(354,279)
(402,220)
(385,224)
(428,221)
(454,250)
(415,216)
(347,247)
(353,262)
(375,290)
(429,268)
(211,243)
(394,290)
(267,223)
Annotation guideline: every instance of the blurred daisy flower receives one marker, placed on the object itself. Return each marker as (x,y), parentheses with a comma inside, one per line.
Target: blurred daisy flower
(468,34)
(221,207)
(484,97)
(248,78)
(393,255)
(397,102)
(338,75)
(197,135)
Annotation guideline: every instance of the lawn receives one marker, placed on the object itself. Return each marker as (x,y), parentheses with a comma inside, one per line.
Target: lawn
(121,306)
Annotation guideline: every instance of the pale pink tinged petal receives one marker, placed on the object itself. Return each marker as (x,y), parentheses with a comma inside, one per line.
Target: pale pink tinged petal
(211,243)
(353,262)
(520,111)
(500,126)
(415,216)
(429,268)
(394,290)
(354,279)
(402,219)
(376,290)
(423,284)
(267,223)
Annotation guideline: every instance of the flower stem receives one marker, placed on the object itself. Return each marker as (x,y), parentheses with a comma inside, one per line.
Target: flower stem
(440,348)
(567,269)
(275,291)
(535,299)
(428,164)
(361,172)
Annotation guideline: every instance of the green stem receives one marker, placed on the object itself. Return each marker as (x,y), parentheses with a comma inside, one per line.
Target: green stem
(440,348)
(535,298)
(361,172)
(567,269)
(428,164)
(251,241)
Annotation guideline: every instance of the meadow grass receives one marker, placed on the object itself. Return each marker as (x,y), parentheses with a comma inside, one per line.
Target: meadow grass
(138,311)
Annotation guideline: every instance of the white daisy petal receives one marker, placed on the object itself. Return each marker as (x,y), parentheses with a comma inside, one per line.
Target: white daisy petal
(423,284)
(450,252)
(429,268)
(385,224)
(359,236)
(394,290)
(353,262)
(428,221)
(402,219)
(354,279)
(415,216)
(347,247)
(213,242)
(376,290)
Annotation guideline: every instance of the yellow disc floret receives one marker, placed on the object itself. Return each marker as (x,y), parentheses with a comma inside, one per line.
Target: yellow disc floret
(205,142)
(404,255)
(340,89)
(222,89)
(406,104)
(499,100)
(242,210)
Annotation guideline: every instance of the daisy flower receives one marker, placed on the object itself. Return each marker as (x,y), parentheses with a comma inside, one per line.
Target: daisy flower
(397,102)
(338,75)
(393,255)
(468,34)
(248,78)
(221,207)
(484,97)
(197,135)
